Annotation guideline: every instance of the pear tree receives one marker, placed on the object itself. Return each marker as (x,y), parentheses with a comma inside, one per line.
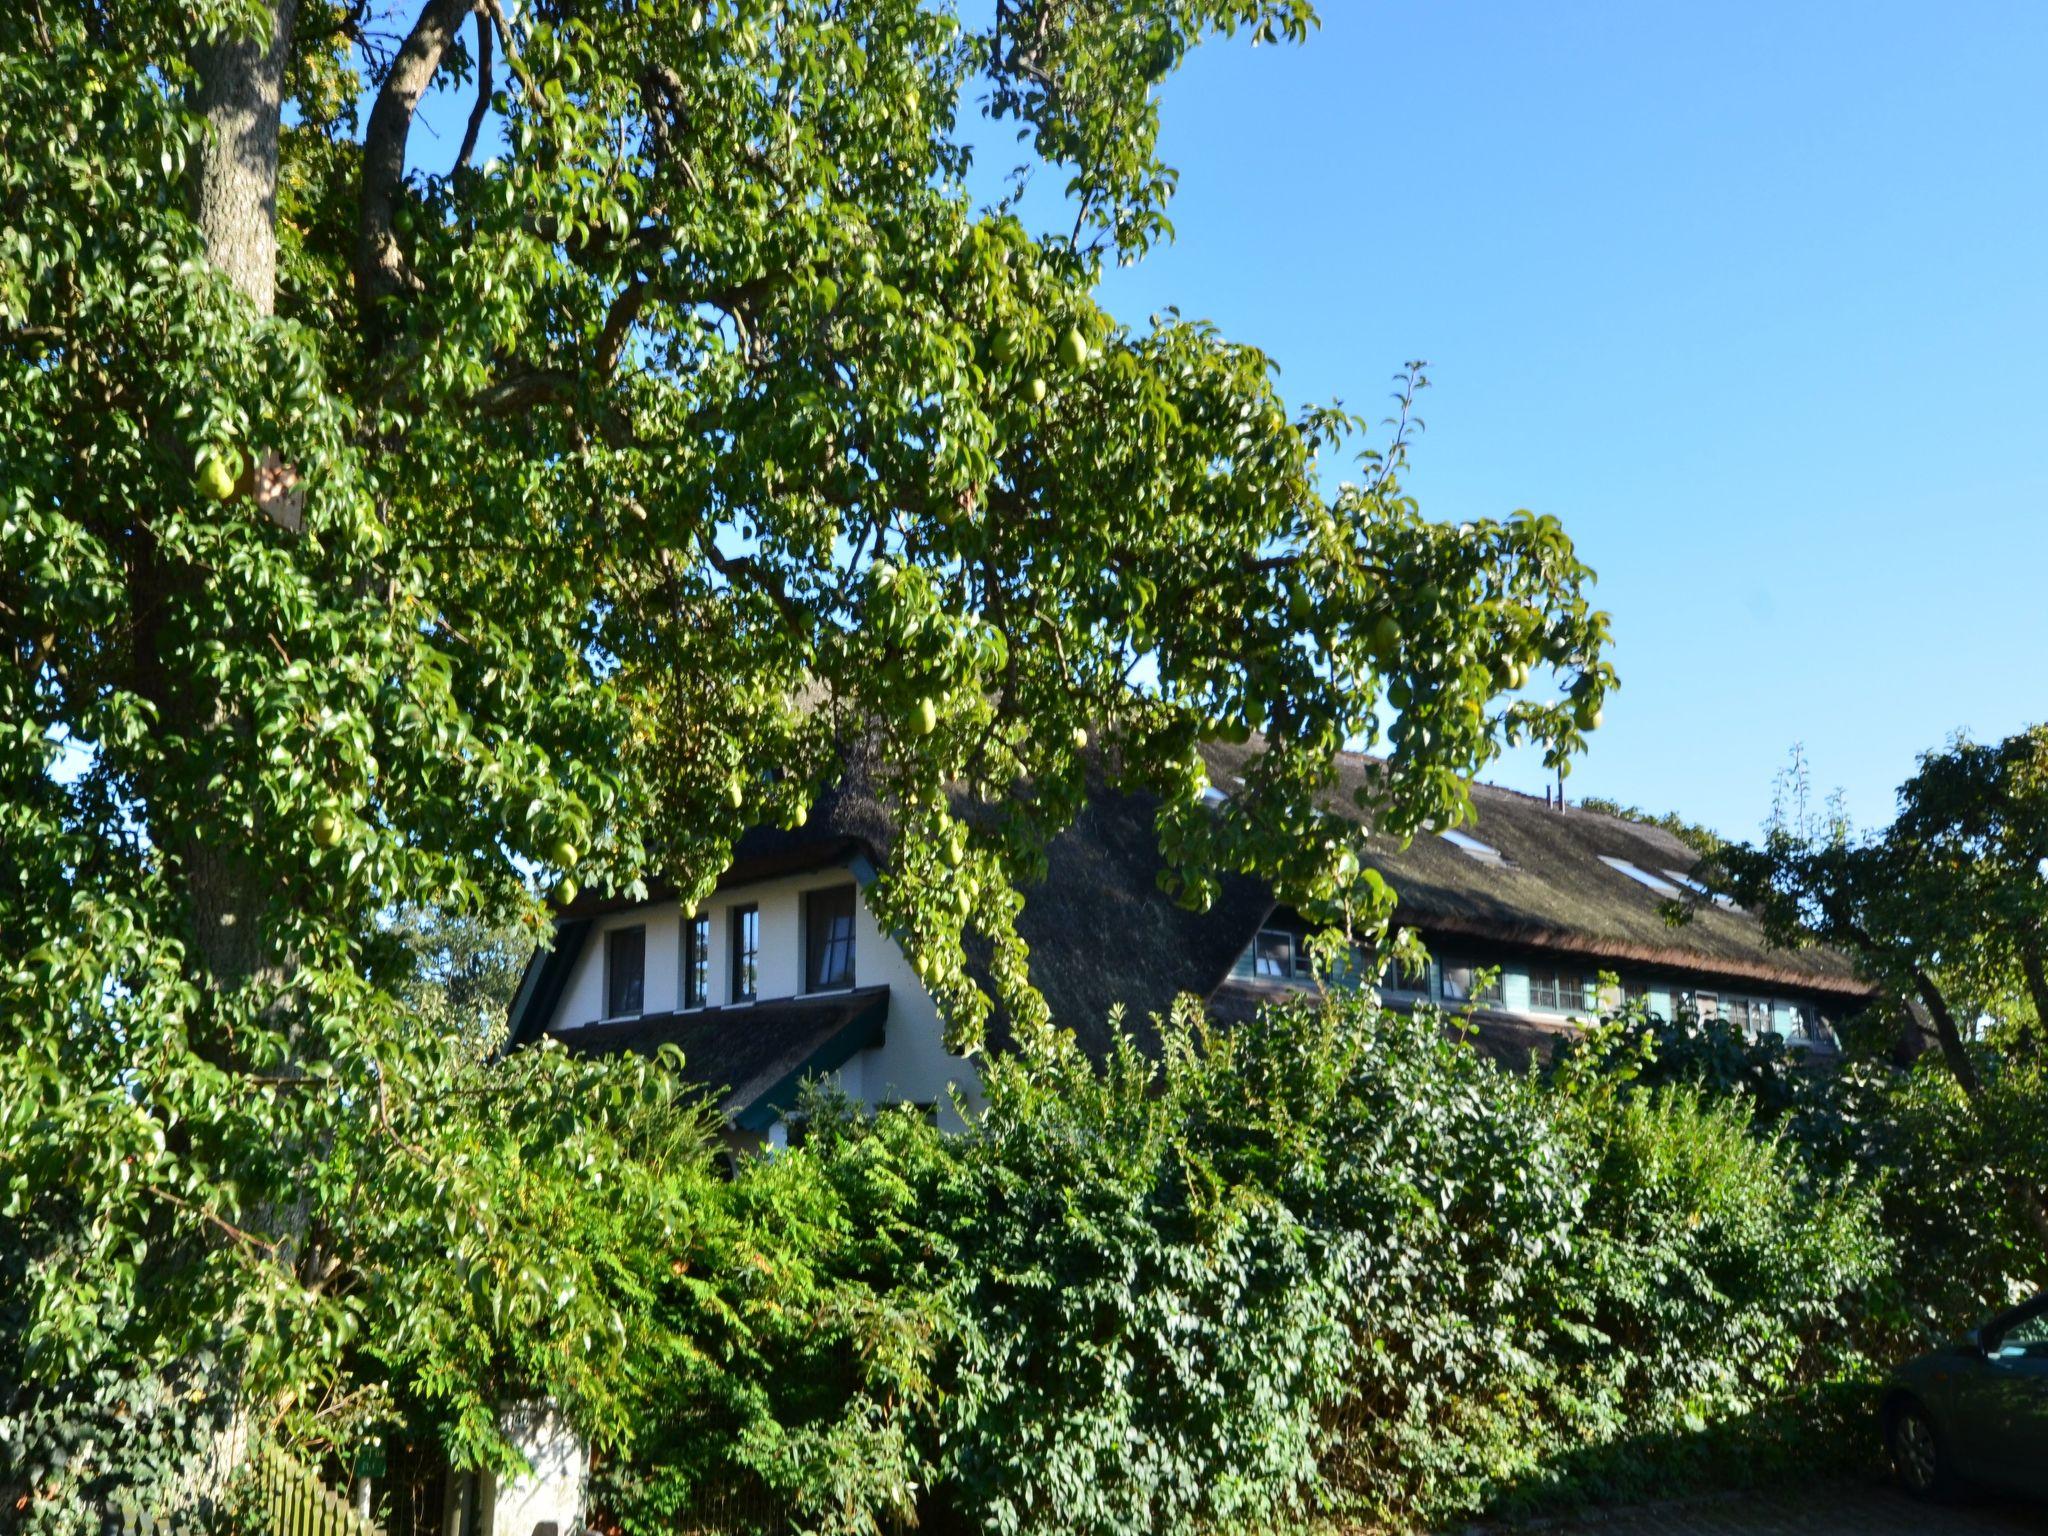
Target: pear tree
(393,520)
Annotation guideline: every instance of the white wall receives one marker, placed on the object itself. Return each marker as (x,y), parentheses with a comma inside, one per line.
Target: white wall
(911,1065)
(547,1500)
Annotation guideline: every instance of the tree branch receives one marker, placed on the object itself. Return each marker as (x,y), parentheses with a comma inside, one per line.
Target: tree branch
(483,91)
(618,324)
(513,395)
(1953,1051)
(381,267)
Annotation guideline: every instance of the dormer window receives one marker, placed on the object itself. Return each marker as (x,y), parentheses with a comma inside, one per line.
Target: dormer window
(1558,991)
(1275,955)
(746,952)
(1462,983)
(697,961)
(625,973)
(1275,959)
(828,939)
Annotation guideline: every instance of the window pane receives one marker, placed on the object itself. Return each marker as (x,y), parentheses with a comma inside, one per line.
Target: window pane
(696,961)
(1397,978)
(746,952)
(1276,956)
(1561,992)
(625,972)
(828,939)
(1462,976)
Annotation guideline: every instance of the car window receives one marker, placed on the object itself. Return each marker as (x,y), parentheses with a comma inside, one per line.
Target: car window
(2026,1337)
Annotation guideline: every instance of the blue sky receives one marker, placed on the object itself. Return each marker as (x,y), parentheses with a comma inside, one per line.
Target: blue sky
(1754,298)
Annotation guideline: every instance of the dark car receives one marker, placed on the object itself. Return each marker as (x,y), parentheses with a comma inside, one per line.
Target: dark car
(1975,1411)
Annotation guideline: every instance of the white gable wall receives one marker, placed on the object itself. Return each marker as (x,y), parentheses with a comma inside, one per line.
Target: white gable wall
(910,1066)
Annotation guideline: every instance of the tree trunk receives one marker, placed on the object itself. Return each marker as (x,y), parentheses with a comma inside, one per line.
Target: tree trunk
(239,90)
(1957,1055)
(241,95)
(2037,989)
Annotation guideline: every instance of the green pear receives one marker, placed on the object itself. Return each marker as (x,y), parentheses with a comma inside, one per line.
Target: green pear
(219,469)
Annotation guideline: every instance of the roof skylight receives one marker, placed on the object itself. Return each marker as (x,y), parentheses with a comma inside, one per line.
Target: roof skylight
(1472,848)
(1641,876)
(1693,885)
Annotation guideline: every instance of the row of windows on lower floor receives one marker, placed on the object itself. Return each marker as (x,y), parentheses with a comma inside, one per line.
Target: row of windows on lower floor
(1540,987)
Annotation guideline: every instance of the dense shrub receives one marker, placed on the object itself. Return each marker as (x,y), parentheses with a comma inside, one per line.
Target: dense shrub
(1330,1256)
(1944,1178)
(1718,1275)
(1943,1174)
(793,1328)
(1442,1182)
(1068,1320)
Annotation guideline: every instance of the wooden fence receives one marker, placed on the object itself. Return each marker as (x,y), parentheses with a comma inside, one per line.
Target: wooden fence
(292,1501)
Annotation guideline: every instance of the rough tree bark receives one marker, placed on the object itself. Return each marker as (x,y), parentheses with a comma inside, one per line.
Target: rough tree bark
(239,91)
(241,95)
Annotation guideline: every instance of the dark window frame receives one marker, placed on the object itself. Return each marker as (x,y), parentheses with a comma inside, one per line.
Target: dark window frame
(820,951)
(1260,958)
(611,977)
(696,979)
(1585,991)
(746,958)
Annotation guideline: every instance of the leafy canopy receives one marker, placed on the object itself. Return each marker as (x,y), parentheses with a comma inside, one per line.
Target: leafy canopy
(1948,909)
(592,482)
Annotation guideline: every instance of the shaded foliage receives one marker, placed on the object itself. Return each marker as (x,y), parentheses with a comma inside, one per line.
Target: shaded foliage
(385,529)
(1329,1260)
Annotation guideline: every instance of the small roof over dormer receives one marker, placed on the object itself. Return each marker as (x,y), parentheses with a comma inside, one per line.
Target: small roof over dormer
(754,1058)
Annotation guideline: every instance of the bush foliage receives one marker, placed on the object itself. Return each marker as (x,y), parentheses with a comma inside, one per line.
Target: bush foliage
(1331,1259)
(1327,1261)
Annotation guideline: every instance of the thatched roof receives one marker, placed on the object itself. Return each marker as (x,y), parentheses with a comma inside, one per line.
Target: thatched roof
(1102,932)
(1551,890)
(1099,929)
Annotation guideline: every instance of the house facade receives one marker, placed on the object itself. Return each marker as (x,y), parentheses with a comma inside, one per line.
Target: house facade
(783,973)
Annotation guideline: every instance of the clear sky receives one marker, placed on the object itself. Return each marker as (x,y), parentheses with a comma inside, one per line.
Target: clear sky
(1753,297)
